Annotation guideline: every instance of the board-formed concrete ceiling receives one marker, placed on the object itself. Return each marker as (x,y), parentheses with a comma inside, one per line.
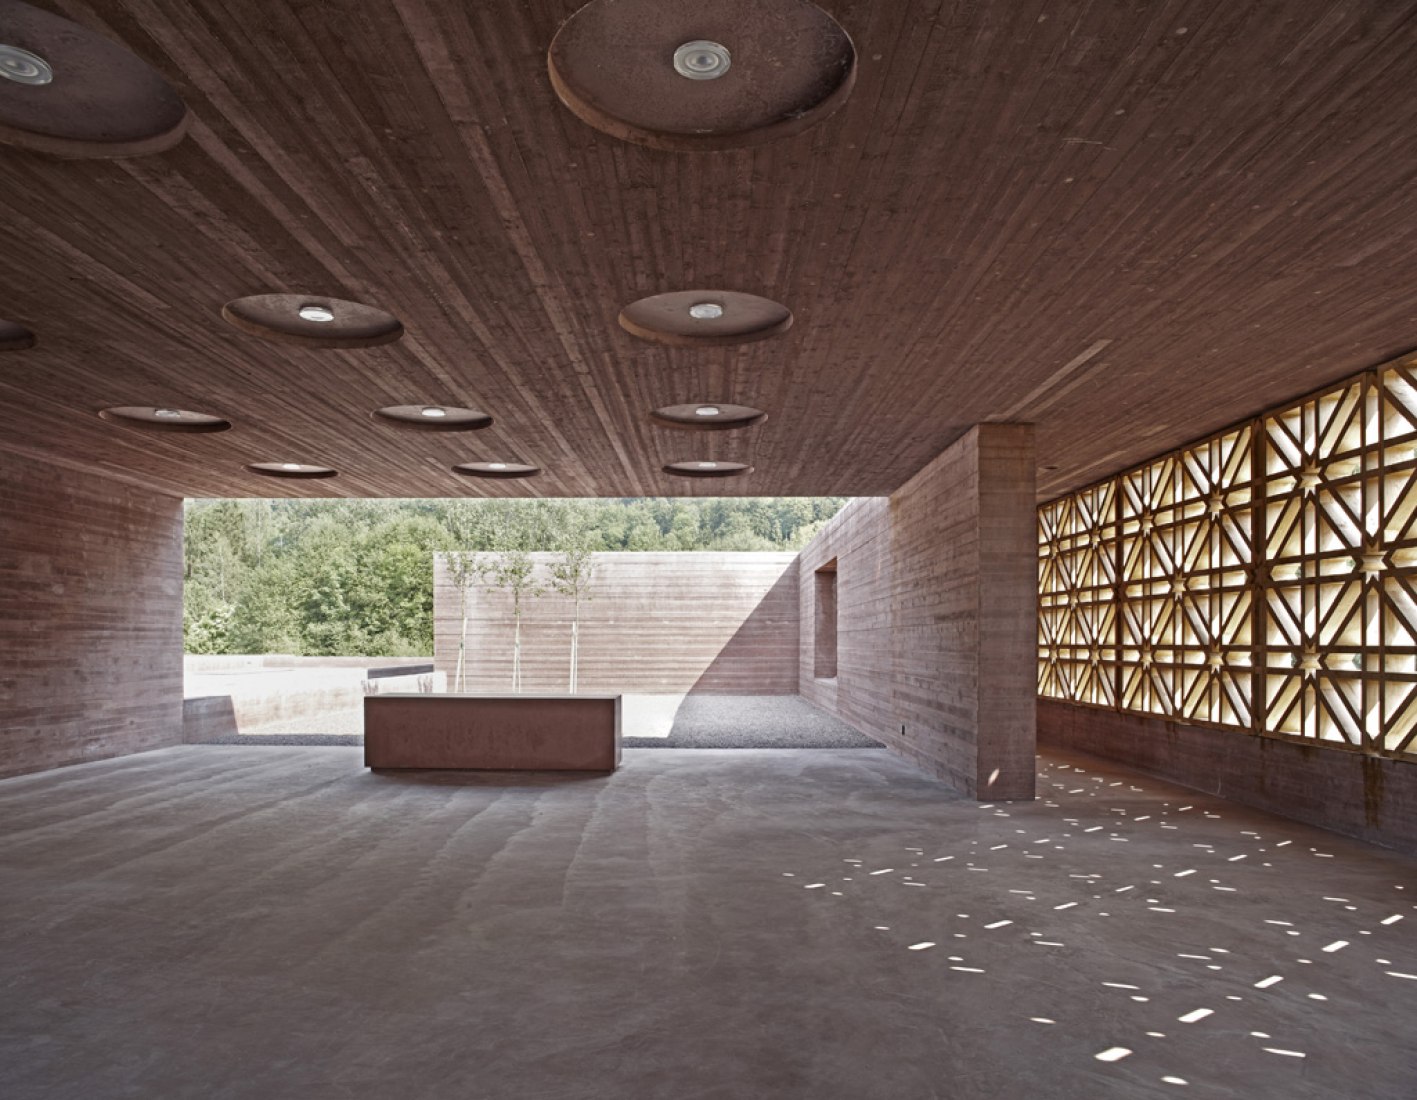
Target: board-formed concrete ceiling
(1130,222)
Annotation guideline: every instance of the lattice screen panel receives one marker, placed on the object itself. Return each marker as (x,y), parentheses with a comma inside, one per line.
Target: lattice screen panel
(1263,579)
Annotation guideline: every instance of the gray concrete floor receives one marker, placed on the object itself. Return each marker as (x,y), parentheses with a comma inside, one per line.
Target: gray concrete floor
(230,922)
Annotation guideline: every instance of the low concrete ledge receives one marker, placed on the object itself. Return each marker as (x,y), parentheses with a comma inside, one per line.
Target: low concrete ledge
(1373,798)
(493,732)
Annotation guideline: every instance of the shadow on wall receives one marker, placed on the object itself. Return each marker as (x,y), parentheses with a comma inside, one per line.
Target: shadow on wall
(763,652)
(658,623)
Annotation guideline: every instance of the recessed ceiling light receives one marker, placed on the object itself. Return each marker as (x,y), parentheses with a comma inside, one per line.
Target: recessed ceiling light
(432,418)
(702,60)
(708,469)
(312,322)
(24,67)
(707,418)
(706,317)
(296,470)
(163,418)
(496,469)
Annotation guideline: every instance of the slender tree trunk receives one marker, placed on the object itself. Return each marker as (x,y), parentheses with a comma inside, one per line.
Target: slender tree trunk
(575,644)
(517,644)
(460,678)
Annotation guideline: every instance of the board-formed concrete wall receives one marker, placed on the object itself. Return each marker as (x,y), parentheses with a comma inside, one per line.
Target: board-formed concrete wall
(936,615)
(90,617)
(724,623)
(1369,797)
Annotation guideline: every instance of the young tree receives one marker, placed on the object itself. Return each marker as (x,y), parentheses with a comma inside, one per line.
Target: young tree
(466,522)
(516,572)
(466,570)
(571,575)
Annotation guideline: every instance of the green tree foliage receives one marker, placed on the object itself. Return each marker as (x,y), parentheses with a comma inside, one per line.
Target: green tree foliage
(354,577)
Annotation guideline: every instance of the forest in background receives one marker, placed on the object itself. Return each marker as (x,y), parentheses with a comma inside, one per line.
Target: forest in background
(355,577)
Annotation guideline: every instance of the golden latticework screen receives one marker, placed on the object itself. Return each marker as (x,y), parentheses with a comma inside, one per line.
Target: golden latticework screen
(1263,579)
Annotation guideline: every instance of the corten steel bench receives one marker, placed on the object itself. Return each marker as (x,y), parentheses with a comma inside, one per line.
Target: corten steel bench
(492,732)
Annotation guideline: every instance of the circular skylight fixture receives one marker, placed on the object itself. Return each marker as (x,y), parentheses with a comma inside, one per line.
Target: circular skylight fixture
(297,470)
(708,469)
(649,71)
(164,418)
(312,322)
(719,417)
(24,67)
(702,60)
(504,470)
(107,102)
(432,418)
(707,317)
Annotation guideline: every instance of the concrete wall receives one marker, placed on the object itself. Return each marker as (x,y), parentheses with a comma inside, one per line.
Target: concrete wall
(724,623)
(1368,797)
(90,618)
(936,615)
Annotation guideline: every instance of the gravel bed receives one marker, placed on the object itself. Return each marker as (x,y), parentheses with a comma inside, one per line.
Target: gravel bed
(753,722)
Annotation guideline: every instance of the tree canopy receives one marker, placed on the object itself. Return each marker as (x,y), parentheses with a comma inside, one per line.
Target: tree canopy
(355,577)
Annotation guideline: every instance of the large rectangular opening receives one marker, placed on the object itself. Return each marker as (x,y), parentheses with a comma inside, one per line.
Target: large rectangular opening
(691,609)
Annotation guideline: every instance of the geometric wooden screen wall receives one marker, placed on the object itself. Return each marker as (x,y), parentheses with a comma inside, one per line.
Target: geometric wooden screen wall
(1264,579)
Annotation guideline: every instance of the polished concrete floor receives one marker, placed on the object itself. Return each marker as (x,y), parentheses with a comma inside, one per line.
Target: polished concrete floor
(230,922)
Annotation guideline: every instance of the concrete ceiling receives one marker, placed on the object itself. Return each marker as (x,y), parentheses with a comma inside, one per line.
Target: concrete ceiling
(1129,222)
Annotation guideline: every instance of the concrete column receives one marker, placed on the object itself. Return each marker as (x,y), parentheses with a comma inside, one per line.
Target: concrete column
(91,629)
(937,615)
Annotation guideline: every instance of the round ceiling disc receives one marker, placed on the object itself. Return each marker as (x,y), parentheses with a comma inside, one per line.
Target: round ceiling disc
(690,75)
(278,317)
(705,318)
(698,418)
(164,418)
(414,418)
(496,470)
(702,469)
(67,90)
(295,470)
